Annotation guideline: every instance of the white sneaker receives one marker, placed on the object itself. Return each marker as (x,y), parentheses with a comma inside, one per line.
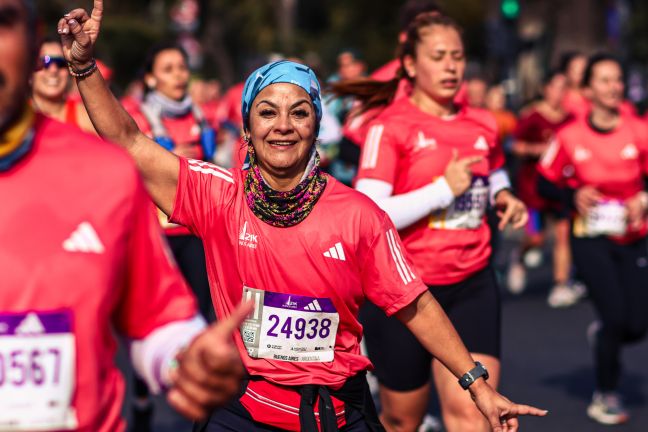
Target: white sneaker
(516,278)
(607,408)
(563,295)
(533,258)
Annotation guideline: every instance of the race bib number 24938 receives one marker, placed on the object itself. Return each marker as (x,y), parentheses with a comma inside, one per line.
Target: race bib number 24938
(290,327)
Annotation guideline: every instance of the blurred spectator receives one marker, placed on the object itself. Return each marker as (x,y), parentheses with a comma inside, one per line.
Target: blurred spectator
(476,89)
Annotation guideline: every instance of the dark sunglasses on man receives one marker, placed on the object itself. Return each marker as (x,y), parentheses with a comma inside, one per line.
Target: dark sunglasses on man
(46,61)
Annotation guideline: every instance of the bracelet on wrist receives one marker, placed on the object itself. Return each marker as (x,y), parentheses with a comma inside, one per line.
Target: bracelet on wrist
(83,72)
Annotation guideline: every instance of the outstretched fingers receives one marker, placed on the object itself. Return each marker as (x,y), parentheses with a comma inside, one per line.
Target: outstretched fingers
(97,10)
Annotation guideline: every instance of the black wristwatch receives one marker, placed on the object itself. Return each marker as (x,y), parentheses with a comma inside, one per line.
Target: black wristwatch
(472,375)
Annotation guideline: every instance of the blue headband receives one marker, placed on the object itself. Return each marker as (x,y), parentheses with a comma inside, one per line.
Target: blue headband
(283,71)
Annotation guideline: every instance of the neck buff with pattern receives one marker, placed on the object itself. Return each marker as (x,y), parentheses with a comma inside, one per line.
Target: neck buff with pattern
(284,209)
(289,208)
(17,141)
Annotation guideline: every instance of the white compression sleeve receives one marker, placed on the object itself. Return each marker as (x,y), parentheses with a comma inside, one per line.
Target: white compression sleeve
(498,180)
(152,355)
(407,208)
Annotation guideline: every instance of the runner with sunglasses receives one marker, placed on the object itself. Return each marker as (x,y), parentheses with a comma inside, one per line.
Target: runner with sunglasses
(51,87)
(305,248)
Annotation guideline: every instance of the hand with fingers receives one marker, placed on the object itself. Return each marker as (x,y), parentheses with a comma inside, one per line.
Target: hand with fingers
(510,210)
(585,198)
(79,32)
(458,173)
(501,413)
(210,370)
(637,206)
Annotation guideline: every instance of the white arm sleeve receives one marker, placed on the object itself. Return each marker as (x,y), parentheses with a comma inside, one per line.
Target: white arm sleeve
(498,180)
(153,355)
(407,208)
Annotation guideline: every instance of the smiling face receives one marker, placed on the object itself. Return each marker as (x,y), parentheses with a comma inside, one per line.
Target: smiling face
(282,131)
(170,74)
(16,51)
(52,81)
(439,65)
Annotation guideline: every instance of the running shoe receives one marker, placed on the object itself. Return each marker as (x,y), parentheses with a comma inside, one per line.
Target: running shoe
(533,258)
(565,295)
(607,408)
(516,278)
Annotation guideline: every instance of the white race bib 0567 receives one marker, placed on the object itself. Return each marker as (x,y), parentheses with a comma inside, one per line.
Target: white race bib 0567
(467,211)
(606,218)
(290,327)
(37,371)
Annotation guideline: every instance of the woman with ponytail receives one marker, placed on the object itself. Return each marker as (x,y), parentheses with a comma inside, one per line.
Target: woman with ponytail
(434,167)
(304,248)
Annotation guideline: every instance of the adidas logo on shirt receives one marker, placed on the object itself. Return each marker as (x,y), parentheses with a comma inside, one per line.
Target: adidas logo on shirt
(85,240)
(629,152)
(31,325)
(313,306)
(336,252)
(481,144)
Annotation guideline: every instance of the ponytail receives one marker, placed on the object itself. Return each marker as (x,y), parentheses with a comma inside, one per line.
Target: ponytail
(376,94)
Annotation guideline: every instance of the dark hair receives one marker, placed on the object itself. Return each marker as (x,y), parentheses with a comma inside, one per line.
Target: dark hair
(566,59)
(49,39)
(593,61)
(372,93)
(550,75)
(155,50)
(413,8)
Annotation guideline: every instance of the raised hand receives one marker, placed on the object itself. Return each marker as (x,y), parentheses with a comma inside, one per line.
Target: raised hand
(210,370)
(458,173)
(79,32)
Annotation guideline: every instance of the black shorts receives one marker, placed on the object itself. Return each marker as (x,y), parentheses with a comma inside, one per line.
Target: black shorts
(401,363)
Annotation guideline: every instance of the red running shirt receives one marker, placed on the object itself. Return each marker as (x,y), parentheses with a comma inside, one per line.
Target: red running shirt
(308,280)
(535,130)
(614,163)
(409,149)
(82,257)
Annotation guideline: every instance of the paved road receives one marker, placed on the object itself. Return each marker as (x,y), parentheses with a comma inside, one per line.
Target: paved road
(546,362)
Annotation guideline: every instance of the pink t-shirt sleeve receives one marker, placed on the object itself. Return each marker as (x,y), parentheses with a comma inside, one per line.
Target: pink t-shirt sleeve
(554,162)
(388,280)
(204,189)
(154,292)
(379,157)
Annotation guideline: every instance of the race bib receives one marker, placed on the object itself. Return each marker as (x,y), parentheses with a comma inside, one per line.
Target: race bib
(37,359)
(467,210)
(290,327)
(605,218)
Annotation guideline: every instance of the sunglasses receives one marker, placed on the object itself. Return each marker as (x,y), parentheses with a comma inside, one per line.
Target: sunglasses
(46,61)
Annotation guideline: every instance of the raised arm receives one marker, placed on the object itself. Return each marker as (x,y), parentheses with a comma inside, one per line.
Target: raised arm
(159,167)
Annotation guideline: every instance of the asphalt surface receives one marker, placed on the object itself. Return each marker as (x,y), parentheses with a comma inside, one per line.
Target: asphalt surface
(546,362)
